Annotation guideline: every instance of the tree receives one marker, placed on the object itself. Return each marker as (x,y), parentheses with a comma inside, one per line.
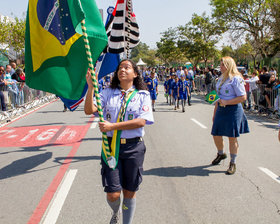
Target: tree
(198,38)
(142,51)
(12,35)
(253,18)
(168,50)
(227,51)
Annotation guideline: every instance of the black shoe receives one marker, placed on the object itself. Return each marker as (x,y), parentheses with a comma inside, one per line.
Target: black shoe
(154,110)
(219,158)
(64,110)
(231,169)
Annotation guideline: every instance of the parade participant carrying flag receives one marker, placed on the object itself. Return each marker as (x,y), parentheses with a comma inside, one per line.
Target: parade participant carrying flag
(127,108)
(123,35)
(55,55)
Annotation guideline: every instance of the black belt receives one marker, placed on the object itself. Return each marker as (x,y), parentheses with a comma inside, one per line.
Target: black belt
(128,140)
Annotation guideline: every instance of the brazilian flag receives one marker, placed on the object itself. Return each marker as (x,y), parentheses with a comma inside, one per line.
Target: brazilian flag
(55,55)
(212,97)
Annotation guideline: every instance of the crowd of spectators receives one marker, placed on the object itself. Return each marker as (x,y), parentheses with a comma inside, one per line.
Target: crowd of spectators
(261,87)
(12,82)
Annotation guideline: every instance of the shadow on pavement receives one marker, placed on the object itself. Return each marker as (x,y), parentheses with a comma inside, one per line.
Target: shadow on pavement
(36,125)
(75,159)
(23,166)
(179,171)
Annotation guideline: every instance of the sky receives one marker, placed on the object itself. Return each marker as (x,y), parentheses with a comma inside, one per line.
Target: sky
(153,16)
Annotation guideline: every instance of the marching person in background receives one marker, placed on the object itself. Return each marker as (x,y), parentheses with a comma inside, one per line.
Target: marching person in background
(107,80)
(169,87)
(166,88)
(229,118)
(175,93)
(152,84)
(127,109)
(184,92)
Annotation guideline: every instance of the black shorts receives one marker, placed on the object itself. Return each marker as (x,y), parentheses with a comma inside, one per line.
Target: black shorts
(128,173)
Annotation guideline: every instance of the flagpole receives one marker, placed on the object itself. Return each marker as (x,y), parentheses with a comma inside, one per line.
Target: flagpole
(128,4)
(95,86)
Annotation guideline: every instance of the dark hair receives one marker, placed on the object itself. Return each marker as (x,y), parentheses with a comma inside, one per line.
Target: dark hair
(19,71)
(264,68)
(138,82)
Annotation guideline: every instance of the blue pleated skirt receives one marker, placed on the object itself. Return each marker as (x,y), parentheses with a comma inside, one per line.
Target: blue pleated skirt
(230,121)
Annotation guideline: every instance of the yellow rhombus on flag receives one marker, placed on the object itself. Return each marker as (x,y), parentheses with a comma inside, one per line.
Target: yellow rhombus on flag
(212,97)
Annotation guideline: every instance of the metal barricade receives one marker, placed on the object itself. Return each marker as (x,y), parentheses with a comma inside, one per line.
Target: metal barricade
(21,99)
(266,100)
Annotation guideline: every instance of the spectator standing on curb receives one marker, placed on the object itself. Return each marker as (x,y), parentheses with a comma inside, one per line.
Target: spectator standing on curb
(11,87)
(190,76)
(13,68)
(19,76)
(208,80)
(247,103)
(2,86)
(254,88)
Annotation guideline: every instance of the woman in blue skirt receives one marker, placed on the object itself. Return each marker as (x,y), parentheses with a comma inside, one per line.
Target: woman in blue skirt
(229,119)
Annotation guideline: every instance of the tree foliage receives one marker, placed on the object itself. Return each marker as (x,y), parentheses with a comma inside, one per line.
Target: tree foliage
(255,19)
(197,38)
(147,55)
(12,35)
(168,50)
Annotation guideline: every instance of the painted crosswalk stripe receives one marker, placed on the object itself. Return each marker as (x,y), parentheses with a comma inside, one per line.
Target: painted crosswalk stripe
(197,122)
(271,174)
(58,201)
(94,123)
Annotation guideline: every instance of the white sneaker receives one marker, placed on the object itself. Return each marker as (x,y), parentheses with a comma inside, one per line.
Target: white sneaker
(115,218)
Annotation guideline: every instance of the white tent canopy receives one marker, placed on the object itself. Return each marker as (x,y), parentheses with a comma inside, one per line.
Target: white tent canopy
(140,62)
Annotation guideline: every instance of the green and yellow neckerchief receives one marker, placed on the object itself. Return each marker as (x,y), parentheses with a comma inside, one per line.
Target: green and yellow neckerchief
(111,158)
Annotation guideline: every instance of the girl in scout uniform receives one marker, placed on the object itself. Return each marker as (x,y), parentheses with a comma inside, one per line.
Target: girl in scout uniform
(184,91)
(152,84)
(166,87)
(169,87)
(127,108)
(175,93)
(229,118)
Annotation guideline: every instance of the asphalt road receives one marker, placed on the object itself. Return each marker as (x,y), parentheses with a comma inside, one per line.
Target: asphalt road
(50,170)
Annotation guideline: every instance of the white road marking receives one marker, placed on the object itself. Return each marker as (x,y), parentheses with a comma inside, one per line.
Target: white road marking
(197,122)
(94,123)
(271,174)
(58,201)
